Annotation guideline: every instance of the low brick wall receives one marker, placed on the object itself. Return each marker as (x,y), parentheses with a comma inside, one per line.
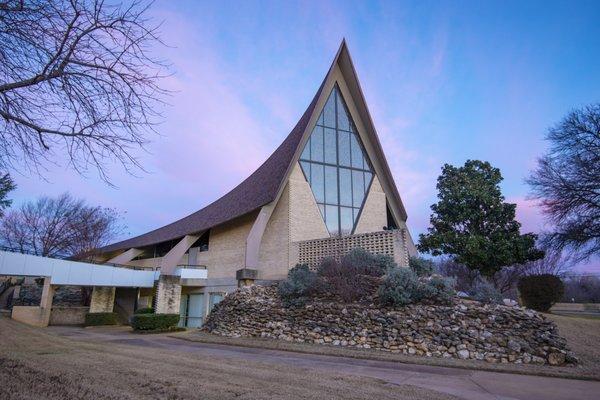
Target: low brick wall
(392,243)
(31,315)
(68,315)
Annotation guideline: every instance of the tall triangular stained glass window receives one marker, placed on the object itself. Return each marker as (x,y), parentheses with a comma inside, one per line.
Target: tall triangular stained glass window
(336,166)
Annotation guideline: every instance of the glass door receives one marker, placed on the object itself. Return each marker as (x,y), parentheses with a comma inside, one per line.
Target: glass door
(195,311)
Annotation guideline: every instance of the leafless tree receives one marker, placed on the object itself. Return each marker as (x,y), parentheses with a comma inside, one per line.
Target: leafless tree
(567,182)
(58,227)
(554,262)
(505,280)
(77,77)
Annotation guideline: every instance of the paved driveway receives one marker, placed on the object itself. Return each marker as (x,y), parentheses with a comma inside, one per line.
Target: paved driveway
(466,384)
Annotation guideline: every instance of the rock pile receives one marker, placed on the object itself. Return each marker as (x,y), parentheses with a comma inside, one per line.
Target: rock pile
(464,330)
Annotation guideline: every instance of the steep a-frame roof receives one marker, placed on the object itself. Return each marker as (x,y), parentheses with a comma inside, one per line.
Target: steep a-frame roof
(263,186)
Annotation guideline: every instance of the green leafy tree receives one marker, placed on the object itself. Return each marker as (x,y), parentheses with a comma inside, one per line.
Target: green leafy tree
(472,223)
(6,185)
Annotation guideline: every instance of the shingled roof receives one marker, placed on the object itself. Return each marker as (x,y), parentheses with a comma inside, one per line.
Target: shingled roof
(263,186)
(258,189)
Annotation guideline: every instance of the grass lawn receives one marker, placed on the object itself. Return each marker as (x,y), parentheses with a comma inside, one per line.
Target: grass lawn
(582,334)
(35,364)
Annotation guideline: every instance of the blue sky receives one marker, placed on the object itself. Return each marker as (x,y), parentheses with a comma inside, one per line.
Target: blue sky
(445,82)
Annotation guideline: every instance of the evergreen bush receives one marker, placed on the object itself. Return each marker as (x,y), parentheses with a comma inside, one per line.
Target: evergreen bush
(540,292)
(154,322)
(144,310)
(421,266)
(400,287)
(102,318)
(301,282)
(485,292)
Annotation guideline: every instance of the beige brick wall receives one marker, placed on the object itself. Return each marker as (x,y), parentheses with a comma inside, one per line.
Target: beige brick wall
(392,243)
(274,247)
(373,216)
(227,247)
(168,295)
(31,315)
(306,221)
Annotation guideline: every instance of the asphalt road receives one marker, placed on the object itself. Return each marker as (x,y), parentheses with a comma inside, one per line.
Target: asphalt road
(465,384)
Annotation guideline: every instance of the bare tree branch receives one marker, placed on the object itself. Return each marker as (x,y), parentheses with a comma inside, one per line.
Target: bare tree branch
(58,227)
(77,77)
(567,183)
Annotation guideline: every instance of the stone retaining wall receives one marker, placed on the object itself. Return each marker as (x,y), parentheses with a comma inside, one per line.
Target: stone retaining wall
(68,315)
(464,330)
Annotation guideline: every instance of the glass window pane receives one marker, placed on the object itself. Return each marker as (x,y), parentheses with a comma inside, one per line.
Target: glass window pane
(331,187)
(357,157)
(195,310)
(331,219)
(346,220)
(316,144)
(306,169)
(329,111)
(330,146)
(320,120)
(215,298)
(317,182)
(355,211)
(358,188)
(345,187)
(306,152)
(344,148)
(342,115)
(322,209)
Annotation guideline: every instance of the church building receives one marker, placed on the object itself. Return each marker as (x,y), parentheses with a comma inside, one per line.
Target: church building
(325,190)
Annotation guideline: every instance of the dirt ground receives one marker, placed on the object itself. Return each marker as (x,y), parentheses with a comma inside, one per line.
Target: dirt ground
(37,365)
(582,334)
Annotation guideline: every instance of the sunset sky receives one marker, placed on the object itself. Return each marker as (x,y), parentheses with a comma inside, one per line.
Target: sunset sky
(444,81)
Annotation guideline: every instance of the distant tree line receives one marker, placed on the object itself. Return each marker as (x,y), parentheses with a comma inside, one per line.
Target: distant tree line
(55,227)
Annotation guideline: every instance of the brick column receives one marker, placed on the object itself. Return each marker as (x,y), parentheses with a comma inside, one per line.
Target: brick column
(168,295)
(47,294)
(103,299)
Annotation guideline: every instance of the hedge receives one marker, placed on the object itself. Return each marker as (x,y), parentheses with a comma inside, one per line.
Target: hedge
(102,318)
(145,310)
(154,322)
(540,292)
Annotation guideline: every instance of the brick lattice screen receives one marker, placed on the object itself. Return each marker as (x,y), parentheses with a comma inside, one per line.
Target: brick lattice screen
(392,243)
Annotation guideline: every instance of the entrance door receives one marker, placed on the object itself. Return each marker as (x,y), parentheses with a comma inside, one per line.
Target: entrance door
(195,313)
(191,310)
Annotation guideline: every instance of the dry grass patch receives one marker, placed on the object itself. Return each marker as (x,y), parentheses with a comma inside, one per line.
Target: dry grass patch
(38,365)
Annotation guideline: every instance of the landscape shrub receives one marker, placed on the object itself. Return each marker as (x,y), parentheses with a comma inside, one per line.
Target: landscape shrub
(400,287)
(103,318)
(301,282)
(438,289)
(144,310)
(154,322)
(540,292)
(421,266)
(355,276)
(485,292)
(362,262)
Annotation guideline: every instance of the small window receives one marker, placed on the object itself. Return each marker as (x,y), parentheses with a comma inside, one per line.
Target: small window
(214,299)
